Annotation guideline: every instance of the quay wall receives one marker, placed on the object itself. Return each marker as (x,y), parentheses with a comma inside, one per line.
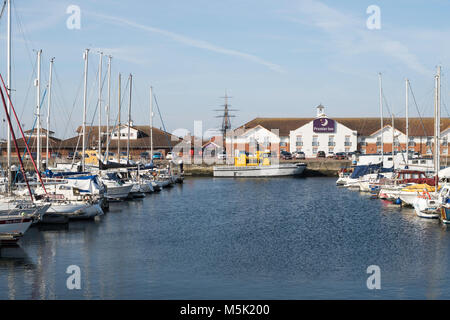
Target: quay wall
(315,168)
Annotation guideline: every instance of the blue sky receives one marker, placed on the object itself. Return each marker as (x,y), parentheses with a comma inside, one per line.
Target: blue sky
(275,58)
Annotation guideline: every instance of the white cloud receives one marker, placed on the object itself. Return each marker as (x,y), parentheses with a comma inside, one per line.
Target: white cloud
(350,36)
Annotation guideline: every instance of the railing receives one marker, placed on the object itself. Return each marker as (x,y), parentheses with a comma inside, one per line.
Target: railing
(315,144)
(347,144)
(331,144)
(299,143)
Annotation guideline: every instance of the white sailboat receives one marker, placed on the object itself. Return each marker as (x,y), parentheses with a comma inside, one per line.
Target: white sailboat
(425,205)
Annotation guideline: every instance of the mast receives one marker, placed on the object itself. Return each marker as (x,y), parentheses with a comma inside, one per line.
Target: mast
(108,108)
(118,133)
(129,121)
(100,106)
(437,126)
(48,107)
(38,108)
(381,114)
(151,124)
(407,119)
(393,136)
(85,57)
(8,83)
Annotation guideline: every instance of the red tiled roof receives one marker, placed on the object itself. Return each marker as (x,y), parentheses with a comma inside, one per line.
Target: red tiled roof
(364,126)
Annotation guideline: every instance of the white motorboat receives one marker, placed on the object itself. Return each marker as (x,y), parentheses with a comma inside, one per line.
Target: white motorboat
(294,169)
(116,189)
(426,207)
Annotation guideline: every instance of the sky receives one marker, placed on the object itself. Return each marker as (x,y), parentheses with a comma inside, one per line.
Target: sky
(274,58)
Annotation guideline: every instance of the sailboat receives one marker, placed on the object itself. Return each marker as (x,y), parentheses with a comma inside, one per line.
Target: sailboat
(425,204)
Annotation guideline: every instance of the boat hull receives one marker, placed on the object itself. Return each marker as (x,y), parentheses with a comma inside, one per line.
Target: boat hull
(260,171)
(14,225)
(118,192)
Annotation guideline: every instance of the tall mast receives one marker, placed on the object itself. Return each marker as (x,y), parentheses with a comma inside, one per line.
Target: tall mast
(8,83)
(393,136)
(151,124)
(118,133)
(85,56)
(407,119)
(108,108)
(48,107)
(100,106)
(437,125)
(38,108)
(381,115)
(129,120)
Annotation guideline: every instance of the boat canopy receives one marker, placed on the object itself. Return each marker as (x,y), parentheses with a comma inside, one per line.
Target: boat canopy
(362,170)
(50,174)
(86,184)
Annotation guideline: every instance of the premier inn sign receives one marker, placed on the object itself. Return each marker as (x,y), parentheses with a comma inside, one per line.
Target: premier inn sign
(324,125)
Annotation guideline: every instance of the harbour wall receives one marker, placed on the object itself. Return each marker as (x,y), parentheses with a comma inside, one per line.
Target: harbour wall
(314,168)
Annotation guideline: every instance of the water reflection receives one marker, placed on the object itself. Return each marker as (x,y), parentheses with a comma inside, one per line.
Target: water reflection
(236,239)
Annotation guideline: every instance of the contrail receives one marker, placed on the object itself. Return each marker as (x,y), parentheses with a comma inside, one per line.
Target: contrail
(193,42)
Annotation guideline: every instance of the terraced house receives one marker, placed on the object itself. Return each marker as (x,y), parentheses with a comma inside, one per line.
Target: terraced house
(333,135)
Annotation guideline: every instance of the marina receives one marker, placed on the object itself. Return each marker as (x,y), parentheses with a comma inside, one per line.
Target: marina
(234,151)
(289,245)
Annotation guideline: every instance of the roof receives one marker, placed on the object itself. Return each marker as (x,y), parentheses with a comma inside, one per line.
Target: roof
(161,139)
(364,126)
(34,131)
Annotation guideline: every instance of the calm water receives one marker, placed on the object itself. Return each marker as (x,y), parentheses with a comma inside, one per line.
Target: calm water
(236,239)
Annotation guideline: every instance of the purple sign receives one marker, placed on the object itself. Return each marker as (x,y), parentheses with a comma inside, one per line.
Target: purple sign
(323,125)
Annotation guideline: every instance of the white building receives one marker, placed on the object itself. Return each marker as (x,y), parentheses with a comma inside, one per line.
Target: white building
(323,134)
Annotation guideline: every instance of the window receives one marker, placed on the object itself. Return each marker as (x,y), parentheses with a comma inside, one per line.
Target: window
(445,141)
(331,142)
(429,141)
(299,141)
(347,142)
(396,141)
(314,150)
(283,144)
(315,141)
(411,142)
(379,142)
(330,150)
(363,141)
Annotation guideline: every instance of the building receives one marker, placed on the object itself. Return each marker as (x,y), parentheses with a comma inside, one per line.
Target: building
(333,135)
(323,134)
(139,140)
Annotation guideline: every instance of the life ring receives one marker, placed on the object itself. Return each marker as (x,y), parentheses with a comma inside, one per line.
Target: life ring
(154,173)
